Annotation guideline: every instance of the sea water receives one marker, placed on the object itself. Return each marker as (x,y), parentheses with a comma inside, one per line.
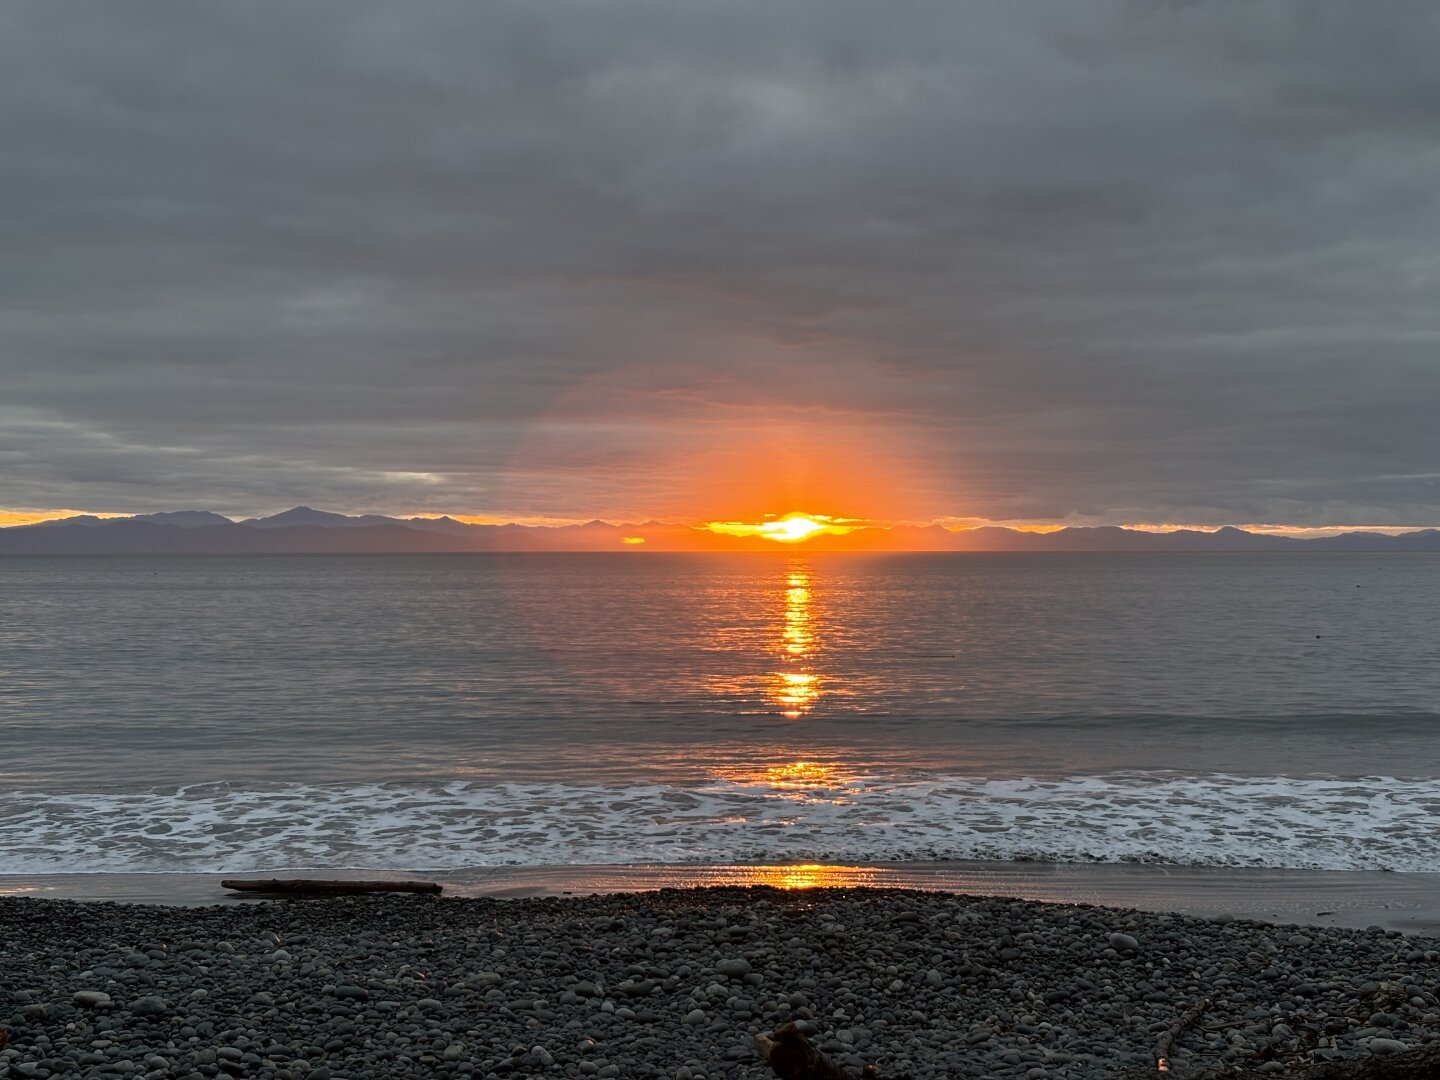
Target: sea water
(447,711)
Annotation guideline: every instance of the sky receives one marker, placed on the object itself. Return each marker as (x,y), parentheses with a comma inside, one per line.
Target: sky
(1082,263)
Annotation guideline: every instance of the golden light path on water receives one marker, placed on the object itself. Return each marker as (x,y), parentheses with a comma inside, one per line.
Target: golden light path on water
(786,640)
(795,687)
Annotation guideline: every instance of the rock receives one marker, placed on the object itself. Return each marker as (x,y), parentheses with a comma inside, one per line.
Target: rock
(149,1006)
(1385,1047)
(733,969)
(1124,943)
(696,1017)
(91,999)
(934,979)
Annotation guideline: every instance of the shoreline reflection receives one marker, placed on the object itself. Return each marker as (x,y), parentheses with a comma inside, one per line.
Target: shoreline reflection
(808,876)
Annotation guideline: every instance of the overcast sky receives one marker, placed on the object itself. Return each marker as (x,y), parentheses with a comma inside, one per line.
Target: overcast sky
(1076,262)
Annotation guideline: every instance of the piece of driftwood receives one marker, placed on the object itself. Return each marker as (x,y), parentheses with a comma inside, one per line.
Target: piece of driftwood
(321,887)
(1166,1042)
(794,1057)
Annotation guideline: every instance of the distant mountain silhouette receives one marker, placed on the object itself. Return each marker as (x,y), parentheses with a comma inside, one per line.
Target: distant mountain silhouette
(304,515)
(304,530)
(86,520)
(445,524)
(186,519)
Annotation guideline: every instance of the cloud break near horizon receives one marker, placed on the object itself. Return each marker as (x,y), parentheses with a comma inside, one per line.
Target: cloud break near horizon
(1100,262)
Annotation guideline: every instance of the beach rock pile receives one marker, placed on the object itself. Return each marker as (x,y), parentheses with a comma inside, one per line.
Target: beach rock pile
(675,984)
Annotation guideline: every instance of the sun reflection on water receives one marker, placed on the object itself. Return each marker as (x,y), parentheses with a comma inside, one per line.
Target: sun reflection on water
(797,638)
(802,780)
(798,774)
(795,687)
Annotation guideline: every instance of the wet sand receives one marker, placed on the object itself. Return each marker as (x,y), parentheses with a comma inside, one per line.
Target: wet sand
(1395,901)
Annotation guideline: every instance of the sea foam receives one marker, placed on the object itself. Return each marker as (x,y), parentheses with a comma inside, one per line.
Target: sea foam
(1211,819)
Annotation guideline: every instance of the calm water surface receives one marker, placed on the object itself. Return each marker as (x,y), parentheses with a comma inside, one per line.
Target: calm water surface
(472,710)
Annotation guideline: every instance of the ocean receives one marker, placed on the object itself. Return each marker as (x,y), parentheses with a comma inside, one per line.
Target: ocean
(462,711)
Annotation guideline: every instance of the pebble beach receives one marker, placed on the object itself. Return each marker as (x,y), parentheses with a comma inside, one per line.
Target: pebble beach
(676,983)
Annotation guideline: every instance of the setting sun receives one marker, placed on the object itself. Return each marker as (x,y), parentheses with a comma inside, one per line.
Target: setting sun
(792,528)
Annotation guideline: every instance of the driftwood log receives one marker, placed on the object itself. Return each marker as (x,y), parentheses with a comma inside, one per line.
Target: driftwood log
(1166,1041)
(319,887)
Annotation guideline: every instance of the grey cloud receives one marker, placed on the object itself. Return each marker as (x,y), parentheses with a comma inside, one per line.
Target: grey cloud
(1108,260)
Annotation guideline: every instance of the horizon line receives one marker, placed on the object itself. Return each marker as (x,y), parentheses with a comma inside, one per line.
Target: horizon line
(21,517)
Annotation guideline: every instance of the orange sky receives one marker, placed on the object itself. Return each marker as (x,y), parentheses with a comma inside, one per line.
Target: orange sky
(29,517)
(674,447)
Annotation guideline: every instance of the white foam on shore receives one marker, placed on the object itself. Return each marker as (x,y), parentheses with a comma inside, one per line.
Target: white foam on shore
(1371,823)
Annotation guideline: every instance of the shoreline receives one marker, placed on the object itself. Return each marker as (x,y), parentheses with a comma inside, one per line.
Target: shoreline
(1408,902)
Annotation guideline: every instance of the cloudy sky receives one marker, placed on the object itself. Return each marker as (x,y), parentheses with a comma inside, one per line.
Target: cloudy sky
(1082,262)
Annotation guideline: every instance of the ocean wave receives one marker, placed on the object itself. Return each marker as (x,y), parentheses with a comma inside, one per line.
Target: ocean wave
(1166,818)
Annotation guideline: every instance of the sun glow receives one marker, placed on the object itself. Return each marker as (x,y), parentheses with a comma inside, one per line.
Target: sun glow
(791,528)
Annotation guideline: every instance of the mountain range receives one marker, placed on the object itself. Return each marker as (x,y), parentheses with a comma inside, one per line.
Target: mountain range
(303,530)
